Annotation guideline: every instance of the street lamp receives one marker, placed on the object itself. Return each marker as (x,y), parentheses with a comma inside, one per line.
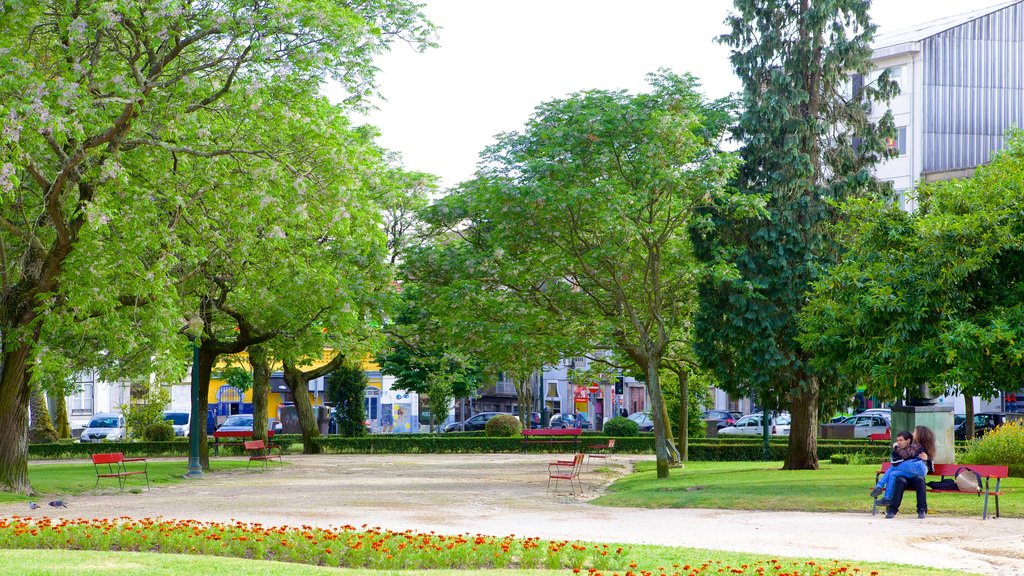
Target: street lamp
(195,468)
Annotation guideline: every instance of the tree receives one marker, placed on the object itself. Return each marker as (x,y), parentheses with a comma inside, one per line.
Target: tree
(806,145)
(112,114)
(931,299)
(346,389)
(584,217)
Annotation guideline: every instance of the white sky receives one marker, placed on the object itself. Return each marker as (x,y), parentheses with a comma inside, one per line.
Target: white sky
(498,59)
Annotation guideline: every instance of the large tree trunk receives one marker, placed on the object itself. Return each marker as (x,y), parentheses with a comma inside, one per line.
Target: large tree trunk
(297,384)
(207,358)
(803,433)
(969,414)
(41,430)
(61,421)
(659,414)
(260,362)
(14,394)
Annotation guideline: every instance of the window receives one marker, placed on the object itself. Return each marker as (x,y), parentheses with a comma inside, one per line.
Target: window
(82,399)
(372,402)
(896,75)
(899,143)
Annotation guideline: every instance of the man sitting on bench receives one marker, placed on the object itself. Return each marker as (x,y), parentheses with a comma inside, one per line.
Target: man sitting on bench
(900,486)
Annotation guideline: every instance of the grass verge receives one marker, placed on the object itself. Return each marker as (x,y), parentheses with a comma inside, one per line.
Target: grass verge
(765,486)
(92,563)
(77,477)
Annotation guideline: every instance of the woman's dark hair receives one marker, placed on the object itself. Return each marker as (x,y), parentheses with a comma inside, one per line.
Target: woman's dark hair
(927,439)
(905,435)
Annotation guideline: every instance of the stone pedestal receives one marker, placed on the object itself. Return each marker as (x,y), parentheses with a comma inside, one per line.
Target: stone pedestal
(938,418)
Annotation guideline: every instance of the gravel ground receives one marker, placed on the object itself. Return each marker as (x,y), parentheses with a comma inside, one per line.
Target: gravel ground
(506,494)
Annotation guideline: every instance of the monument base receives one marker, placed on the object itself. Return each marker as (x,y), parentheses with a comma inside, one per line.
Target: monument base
(938,418)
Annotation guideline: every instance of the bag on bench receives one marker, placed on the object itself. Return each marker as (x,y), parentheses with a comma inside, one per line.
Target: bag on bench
(967,480)
(944,484)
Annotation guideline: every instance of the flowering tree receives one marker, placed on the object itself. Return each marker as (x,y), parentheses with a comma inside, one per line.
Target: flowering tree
(119,118)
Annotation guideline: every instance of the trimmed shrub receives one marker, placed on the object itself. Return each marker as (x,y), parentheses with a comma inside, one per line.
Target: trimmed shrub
(1003,446)
(158,432)
(503,426)
(620,427)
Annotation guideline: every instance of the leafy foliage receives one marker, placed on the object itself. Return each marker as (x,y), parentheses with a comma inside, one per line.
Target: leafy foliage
(799,128)
(346,387)
(238,378)
(932,298)
(1003,446)
(503,425)
(158,432)
(621,427)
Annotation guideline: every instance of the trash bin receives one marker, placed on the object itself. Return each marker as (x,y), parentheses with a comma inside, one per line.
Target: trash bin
(712,427)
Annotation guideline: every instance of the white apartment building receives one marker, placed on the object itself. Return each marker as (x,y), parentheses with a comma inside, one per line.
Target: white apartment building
(961,87)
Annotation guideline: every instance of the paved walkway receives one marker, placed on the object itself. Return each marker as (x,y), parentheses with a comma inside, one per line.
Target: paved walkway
(505,494)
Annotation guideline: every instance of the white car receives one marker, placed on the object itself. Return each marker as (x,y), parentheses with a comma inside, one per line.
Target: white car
(106,426)
(750,425)
(868,424)
(180,421)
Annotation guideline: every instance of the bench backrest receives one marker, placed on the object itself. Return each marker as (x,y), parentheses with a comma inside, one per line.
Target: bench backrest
(984,470)
(255,445)
(108,458)
(238,434)
(553,432)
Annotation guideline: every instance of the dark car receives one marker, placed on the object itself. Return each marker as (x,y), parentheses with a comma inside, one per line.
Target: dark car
(534,421)
(724,417)
(475,422)
(985,422)
(566,420)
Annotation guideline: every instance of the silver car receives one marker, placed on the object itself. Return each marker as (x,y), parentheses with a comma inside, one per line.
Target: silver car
(106,426)
(865,425)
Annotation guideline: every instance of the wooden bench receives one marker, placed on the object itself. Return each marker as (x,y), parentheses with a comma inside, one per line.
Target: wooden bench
(116,468)
(553,436)
(886,436)
(261,451)
(986,471)
(218,434)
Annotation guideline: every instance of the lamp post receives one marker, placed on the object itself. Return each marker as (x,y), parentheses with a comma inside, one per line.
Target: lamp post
(195,468)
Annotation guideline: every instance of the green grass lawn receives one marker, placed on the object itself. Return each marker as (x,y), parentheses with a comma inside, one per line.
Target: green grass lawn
(78,476)
(764,486)
(90,563)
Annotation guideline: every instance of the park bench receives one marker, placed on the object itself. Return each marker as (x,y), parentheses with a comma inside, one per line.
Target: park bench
(986,471)
(552,436)
(881,436)
(566,470)
(261,451)
(217,435)
(115,463)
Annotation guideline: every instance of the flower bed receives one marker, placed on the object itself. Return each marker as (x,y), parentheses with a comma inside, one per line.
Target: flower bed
(363,547)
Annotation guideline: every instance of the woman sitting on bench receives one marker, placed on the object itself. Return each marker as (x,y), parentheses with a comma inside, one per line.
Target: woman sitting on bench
(911,458)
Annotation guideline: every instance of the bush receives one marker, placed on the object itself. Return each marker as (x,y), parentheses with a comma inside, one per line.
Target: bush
(621,427)
(158,432)
(1003,446)
(503,426)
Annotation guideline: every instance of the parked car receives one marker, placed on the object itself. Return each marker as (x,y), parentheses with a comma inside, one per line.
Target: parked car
(643,420)
(475,422)
(534,421)
(567,420)
(236,423)
(750,425)
(105,426)
(179,421)
(866,424)
(724,417)
(985,422)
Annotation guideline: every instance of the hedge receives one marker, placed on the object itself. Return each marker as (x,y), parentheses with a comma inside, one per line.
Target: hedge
(730,449)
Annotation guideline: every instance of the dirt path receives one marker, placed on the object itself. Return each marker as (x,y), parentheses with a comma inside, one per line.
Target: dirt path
(505,494)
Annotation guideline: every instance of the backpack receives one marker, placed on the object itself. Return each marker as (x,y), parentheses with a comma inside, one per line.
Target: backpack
(944,484)
(967,480)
